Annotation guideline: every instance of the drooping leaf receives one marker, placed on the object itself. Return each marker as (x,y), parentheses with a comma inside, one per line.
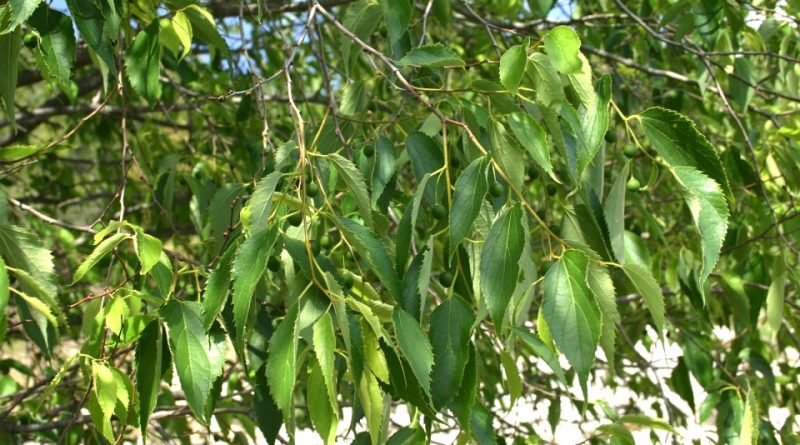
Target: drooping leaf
(397,14)
(471,187)
(431,56)
(775,300)
(261,201)
(148,371)
(507,155)
(600,283)
(677,140)
(21,10)
(282,362)
(183,30)
(614,211)
(187,343)
(205,28)
(10,43)
(543,351)
(249,266)
(571,312)
(415,347)
(57,41)
(143,63)
(355,182)
(320,408)
(709,210)
(549,89)
(217,288)
(148,249)
(500,262)
(374,252)
(750,421)
(648,287)
(324,340)
(105,388)
(531,136)
(91,23)
(451,326)
(512,66)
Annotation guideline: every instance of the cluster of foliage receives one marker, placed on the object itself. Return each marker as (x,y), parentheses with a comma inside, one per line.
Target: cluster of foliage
(290,208)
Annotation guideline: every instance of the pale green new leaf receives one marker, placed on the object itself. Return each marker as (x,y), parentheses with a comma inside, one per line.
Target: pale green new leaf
(99,252)
(324,339)
(105,388)
(431,56)
(249,266)
(531,136)
(512,66)
(148,249)
(470,191)
(143,63)
(499,265)
(415,347)
(563,47)
(282,362)
(10,43)
(355,182)
(188,342)
(709,210)
(261,201)
(600,283)
(571,312)
(450,330)
(204,27)
(648,287)
(183,30)
(750,422)
(775,300)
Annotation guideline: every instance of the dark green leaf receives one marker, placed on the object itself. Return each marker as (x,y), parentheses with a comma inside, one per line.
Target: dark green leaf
(21,10)
(91,24)
(431,56)
(531,136)
(415,347)
(57,41)
(282,362)
(512,66)
(261,202)
(148,372)
(397,14)
(143,63)
(374,252)
(10,43)
(355,182)
(650,290)
(470,191)
(451,326)
(500,262)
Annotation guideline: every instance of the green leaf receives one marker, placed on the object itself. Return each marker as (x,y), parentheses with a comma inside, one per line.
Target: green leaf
(571,312)
(531,136)
(249,266)
(602,287)
(4,293)
(261,201)
(512,66)
(431,56)
(677,140)
(374,252)
(148,249)
(450,330)
(183,30)
(549,89)
(99,252)
(91,24)
(360,18)
(407,436)
(471,187)
(187,343)
(21,10)
(415,347)
(56,41)
(397,14)
(217,288)
(23,249)
(512,381)
(205,28)
(750,422)
(543,351)
(648,287)
(355,182)
(320,408)
(563,47)
(282,362)
(10,43)
(143,63)
(709,211)
(105,388)
(148,371)
(614,211)
(324,339)
(775,300)
(507,155)
(594,121)
(499,265)
(19,152)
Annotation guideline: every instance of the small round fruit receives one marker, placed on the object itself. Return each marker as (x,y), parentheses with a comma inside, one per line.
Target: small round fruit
(611,136)
(312,190)
(551,189)
(630,151)
(455,162)
(295,219)
(30,40)
(533,173)
(439,211)
(369,150)
(326,241)
(347,278)
(554,228)
(446,278)
(633,184)
(315,246)
(496,189)
(273,263)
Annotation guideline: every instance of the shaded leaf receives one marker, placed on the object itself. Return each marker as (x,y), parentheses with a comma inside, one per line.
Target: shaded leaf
(450,330)
(500,262)
(415,347)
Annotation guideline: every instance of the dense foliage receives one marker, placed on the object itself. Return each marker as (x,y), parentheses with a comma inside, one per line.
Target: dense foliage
(228,221)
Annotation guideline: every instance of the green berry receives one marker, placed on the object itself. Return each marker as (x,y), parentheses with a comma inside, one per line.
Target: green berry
(633,184)
(273,263)
(630,151)
(369,150)
(446,278)
(295,219)
(315,247)
(312,190)
(551,189)
(439,211)
(346,278)
(326,241)
(496,189)
(455,162)
(611,136)
(533,173)
(554,228)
